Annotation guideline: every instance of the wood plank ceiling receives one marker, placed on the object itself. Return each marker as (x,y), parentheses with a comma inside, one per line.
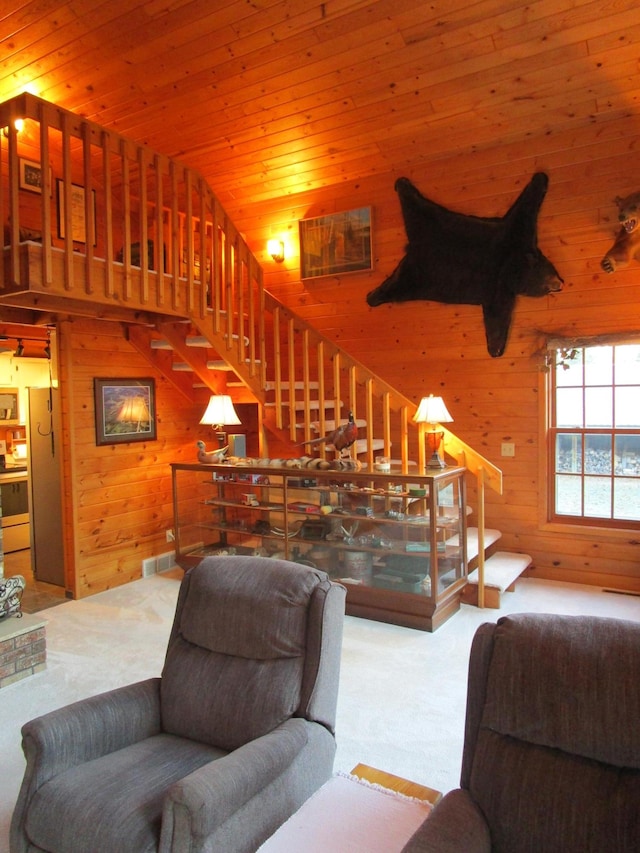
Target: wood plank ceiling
(268,98)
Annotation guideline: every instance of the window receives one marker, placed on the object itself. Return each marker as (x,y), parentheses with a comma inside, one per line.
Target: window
(594,448)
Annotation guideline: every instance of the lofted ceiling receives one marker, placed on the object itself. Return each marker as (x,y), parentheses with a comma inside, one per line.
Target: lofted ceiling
(269,98)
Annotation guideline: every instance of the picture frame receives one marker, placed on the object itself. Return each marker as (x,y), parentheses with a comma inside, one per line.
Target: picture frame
(78,224)
(9,406)
(336,243)
(125,410)
(30,176)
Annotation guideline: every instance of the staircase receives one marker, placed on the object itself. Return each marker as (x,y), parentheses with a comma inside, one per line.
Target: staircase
(309,380)
(501,569)
(194,303)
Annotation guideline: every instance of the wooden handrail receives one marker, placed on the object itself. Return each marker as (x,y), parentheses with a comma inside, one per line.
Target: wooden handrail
(363,390)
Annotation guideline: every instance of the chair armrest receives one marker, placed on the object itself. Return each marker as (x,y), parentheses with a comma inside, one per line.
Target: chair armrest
(78,733)
(201,802)
(92,727)
(456,825)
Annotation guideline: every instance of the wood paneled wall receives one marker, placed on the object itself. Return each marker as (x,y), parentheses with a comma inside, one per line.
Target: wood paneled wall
(428,347)
(119,500)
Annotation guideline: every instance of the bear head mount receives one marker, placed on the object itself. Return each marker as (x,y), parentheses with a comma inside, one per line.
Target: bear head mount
(471,260)
(626,247)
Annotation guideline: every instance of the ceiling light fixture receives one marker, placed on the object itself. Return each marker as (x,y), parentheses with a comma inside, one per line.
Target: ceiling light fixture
(19,349)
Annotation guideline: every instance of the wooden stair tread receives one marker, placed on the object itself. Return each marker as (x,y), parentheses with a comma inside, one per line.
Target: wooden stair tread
(501,570)
(298,386)
(330,425)
(362,445)
(299,405)
(490,536)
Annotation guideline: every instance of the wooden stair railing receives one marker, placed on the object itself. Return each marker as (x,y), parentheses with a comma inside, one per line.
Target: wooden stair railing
(141,235)
(301,358)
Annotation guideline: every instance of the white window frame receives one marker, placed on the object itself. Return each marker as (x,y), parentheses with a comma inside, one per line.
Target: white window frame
(578,467)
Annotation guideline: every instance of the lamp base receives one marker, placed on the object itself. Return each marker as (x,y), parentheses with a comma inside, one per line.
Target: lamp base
(434,438)
(436,461)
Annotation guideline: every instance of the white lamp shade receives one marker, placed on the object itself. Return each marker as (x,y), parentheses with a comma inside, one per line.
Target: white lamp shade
(432,410)
(220,411)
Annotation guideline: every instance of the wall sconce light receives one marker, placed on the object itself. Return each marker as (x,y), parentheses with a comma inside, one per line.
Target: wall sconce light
(433,411)
(275,248)
(19,349)
(219,413)
(18,124)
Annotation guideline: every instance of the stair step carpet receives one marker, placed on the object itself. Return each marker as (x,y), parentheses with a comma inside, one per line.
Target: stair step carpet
(297,386)
(299,405)
(490,536)
(501,571)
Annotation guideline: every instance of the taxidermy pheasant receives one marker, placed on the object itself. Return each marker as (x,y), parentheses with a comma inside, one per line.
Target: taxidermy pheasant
(341,438)
(210,457)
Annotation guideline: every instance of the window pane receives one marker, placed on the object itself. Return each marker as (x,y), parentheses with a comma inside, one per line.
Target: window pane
(628,407)
(595,431)
(626,503)
(627,364)
(569,453)
(597,454)
(628,455)
(569,370)
(597,497)
(568,495)
(598,407)
(569,407)
(598,366)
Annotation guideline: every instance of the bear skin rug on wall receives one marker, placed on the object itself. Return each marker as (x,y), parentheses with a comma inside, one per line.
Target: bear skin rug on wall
(471,260)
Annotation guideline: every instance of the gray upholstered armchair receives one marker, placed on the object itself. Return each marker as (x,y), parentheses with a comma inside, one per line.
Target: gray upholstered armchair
(216,753)
(551,759)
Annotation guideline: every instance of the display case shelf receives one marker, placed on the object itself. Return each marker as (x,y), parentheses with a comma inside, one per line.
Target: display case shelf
(396,541)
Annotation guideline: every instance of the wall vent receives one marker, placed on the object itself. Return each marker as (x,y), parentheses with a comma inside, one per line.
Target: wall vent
(166,561)
(148,567)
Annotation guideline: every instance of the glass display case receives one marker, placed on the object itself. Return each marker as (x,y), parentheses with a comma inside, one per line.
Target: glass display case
(397,542)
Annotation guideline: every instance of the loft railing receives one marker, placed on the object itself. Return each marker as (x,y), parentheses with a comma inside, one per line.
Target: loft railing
(118,225)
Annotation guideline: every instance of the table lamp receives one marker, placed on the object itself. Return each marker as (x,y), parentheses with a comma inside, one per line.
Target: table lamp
(433,411)
(219,413)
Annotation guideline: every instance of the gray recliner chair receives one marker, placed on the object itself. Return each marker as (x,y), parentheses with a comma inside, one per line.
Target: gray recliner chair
(551,759)
(236,734)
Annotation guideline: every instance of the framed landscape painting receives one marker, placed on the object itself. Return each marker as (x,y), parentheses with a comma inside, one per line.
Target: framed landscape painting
(335,244)
(125,410)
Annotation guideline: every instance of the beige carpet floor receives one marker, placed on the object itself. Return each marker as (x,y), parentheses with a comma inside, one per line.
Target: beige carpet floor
(402,692)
